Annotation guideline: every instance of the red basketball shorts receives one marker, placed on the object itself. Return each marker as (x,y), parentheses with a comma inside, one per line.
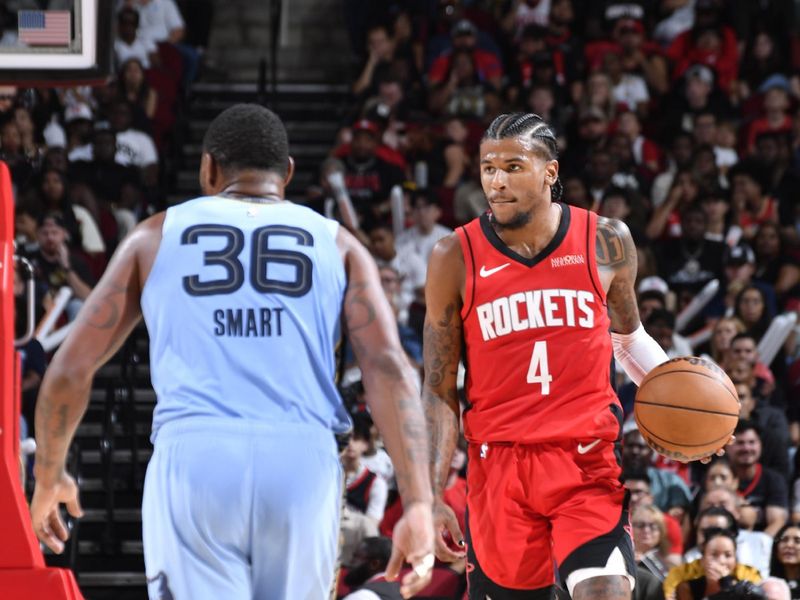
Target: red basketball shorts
(532,507)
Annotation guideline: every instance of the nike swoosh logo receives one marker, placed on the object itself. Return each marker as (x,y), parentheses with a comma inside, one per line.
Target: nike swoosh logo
(486,272)
(584,449)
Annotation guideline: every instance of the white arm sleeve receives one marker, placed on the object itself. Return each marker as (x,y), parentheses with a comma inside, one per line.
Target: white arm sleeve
(638,353)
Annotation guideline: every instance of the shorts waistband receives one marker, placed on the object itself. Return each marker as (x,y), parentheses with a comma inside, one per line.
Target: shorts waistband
(310,435)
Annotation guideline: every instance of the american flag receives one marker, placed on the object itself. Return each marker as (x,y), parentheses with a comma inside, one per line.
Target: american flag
(45,27)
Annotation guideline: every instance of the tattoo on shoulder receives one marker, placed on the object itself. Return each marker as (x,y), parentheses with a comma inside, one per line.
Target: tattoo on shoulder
(609,245)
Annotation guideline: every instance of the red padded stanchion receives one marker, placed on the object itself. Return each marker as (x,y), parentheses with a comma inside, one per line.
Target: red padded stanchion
(23,573)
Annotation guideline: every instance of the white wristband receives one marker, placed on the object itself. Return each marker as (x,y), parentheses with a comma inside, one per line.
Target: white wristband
(638,353)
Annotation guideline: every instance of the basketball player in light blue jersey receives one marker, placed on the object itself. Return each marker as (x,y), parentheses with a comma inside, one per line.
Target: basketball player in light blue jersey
(242,294)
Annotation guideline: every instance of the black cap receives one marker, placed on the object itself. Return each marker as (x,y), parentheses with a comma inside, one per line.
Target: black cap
(739,255)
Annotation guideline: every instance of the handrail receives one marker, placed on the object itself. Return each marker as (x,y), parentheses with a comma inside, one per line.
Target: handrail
(107,465)
(30,288)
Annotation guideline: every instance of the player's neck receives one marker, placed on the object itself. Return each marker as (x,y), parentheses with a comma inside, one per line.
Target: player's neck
(533,237)
(253,185)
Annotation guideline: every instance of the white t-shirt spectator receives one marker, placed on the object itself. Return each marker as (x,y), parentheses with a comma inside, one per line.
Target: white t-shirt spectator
(420,243)
(631,91)
(752,548)
(378,493)
(141,49)
(157,18)
(412,271)
(135,148)
(380,464)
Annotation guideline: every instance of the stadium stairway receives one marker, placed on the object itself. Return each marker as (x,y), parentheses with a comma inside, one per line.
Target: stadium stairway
(312,113)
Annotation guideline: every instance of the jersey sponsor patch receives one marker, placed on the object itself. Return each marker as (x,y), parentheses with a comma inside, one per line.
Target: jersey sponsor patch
(567,260)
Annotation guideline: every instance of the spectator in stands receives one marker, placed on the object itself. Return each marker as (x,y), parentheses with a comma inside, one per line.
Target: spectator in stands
(773,265)
(775,444)
(650,541)
(465,39)
(776,111)
(691,261)
(421,237)
(107,178)
(661,327)
(462,93)
(785,556)
(638,485)
(679,159)
(380,49)
(718,561)
(410,266)
(14,155)
(751,308)
(776,589)
(410,338)
(365,572)
(56,266)
(161,21)
(723,331)
(32,357)
(709,519)
(719,228)
(748,196)
(129,44)
(134,88)
(366,492)
(134,148)
(751,544)
(706,133)
(670,492)
(740,266)
(78,123)
(368,177)
(744,347)
(762,487)
(698,96)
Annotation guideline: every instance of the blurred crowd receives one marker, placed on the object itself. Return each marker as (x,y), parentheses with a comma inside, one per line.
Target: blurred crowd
(88,163)
(679,117)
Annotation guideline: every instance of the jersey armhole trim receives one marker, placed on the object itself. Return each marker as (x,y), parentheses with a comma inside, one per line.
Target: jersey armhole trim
(594,273)
(154,268)
(469,267)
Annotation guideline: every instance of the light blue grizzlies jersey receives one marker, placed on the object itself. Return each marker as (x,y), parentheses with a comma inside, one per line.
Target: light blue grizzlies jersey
(243,307)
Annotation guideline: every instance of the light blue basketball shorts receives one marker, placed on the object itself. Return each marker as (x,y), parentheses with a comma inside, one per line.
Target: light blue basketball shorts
(241,511)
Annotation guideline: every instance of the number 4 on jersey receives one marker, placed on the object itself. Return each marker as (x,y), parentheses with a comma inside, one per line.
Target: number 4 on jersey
(538,371)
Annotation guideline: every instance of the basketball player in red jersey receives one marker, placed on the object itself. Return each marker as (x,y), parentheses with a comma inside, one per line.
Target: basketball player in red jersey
(530,291)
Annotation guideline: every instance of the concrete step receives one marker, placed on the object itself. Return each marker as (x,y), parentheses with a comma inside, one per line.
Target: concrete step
(120,456)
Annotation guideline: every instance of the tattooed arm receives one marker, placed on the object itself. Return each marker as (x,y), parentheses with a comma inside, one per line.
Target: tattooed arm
(441,347)
(616,260)
(393,400)
(108,315)
(617,263)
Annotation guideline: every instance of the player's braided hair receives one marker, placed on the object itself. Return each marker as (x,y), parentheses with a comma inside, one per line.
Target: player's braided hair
(528,126)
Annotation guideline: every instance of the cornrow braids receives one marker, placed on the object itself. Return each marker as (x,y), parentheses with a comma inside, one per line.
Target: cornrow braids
(528,126)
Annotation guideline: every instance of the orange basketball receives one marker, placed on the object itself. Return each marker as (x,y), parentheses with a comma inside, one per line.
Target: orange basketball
(686,408)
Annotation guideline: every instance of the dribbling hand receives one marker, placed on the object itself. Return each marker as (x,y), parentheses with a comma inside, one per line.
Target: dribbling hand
(444,519)
(45,515)
(412,540)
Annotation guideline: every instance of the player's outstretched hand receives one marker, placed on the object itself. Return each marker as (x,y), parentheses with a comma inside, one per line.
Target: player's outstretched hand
(45,515)
(412,541)
(444,520)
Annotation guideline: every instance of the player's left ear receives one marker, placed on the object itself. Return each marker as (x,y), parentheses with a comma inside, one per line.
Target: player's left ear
(210,175)
(289,172)
(551,172)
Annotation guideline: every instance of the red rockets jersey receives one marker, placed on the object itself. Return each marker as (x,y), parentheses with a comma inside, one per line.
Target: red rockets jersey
(538,348)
